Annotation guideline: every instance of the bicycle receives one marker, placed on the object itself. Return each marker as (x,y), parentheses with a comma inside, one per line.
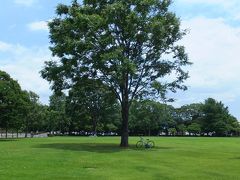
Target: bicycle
(145,143)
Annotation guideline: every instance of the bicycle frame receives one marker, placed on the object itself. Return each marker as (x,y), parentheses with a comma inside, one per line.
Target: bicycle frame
(145,143)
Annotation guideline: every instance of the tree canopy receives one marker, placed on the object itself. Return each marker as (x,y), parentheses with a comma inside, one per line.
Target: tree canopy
(131,46)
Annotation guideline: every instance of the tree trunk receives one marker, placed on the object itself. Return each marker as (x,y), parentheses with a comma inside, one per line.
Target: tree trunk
(166,132)
(26,130)
(94,126)
(6,132)
(70,128)
(124,135)
(17,133)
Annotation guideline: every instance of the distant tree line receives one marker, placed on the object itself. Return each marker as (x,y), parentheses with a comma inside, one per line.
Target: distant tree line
(91,109)
(210,118)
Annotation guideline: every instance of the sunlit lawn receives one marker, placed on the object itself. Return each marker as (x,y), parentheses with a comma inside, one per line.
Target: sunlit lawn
(101,158)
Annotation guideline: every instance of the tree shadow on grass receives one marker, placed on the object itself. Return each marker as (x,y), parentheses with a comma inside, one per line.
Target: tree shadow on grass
(235,158)
(97,147)
(6,140)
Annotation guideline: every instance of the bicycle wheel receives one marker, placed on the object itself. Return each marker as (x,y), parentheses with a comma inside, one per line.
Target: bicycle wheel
(151,144)
(139,144)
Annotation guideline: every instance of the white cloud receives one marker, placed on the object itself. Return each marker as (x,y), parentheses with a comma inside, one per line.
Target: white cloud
(25,2)
(213,47)
(24,64)
(38,26)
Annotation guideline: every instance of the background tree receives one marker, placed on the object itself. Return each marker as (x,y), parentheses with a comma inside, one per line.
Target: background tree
(22,112)
(169,119)
(32,114)
(194,128)
(216,118)
(12,102)
(235,127)
(172,131)
(146,117)
(189,113)
(181,129)
(129,45)
(93,102)
(57,108)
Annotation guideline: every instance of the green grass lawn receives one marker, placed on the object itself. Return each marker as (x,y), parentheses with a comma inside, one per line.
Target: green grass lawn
(101,158)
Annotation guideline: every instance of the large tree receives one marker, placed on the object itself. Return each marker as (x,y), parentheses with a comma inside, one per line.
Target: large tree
(130,45)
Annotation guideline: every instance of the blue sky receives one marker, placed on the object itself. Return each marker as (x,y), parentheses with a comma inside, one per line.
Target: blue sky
(213,45)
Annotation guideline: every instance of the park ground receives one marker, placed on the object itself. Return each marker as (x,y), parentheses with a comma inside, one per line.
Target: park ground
(102,158)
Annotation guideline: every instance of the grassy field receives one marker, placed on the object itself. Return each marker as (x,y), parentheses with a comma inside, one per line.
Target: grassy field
(101,158)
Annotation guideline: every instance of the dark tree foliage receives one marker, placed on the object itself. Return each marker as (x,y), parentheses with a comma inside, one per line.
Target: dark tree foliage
(146,117)
(212,116)
(38,115)
(194,128)
(91,103)
(149,117)
(190,112)
(216,118)
(57,110)
(32,113)
(12,102)
(130,45)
